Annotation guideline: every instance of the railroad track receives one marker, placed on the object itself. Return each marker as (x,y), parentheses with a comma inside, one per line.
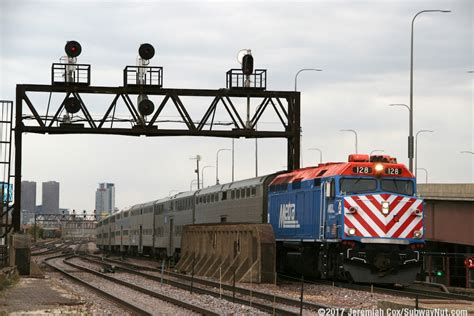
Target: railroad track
(401,291)
(134,308)
(246,296)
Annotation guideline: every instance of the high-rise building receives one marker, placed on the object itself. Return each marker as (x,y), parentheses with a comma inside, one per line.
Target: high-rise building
(28,196)
(28,201)
(105,198)
(50,197)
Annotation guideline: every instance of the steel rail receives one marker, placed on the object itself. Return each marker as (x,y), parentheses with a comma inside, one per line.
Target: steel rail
(111,297)
(240,290)
(137,288)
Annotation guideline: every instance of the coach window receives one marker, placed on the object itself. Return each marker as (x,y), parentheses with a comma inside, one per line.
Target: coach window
(224,195)
(208,199)
(237,194)
(212,197)
(248,192)
(232,194)
(216,197)
(254,191)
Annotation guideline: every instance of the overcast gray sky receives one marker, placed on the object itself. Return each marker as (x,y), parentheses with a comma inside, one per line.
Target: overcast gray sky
(363,48)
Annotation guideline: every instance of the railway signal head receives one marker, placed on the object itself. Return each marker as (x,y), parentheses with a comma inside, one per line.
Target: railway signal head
(146,107)
(72,105)
(439,273)
(469,263)
(146,51)
(73,49)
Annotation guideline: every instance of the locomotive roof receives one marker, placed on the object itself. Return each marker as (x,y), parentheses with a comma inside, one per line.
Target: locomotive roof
(339,168)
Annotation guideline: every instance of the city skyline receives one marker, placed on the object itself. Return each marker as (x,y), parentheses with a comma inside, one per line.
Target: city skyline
(363,49)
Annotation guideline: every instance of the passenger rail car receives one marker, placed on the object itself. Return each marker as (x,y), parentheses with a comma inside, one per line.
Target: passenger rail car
(359,220)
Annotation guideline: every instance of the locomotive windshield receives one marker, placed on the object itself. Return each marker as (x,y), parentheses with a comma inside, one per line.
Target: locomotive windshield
(359,185)
(397,186)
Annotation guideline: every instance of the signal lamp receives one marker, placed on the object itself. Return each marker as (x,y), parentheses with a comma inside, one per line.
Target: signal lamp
(146,107)
(72,105)
(247,64)
(73,49)
(146,51)
(439,273)
(385,207)
(469,262)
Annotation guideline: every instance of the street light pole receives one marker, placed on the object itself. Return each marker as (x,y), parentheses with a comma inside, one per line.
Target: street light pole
(410,134)
(426,174)
(355,133)
(217,163)
(416,147)
(296,89)
(197,158)
(320,154)
(410,137)
(202,173)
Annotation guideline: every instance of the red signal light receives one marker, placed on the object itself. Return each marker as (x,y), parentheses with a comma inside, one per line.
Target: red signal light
(73,49)
(469,263)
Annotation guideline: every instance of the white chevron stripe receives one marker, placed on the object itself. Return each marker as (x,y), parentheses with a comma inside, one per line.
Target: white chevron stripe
(359,227)
(402,219)
(370,222)
(367,219)
(407,230)
(376,211)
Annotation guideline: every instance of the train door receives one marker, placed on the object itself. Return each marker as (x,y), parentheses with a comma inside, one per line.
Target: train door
(110,239)
(171,245)
(327,208)
(121,238)
(140,240)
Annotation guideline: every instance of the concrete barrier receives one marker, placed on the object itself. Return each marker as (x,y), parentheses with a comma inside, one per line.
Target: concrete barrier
(220,250)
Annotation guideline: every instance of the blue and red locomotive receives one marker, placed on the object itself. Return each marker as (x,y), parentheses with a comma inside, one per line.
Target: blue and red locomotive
(358,220)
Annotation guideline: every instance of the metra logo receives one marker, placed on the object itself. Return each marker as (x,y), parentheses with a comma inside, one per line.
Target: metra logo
(288,216)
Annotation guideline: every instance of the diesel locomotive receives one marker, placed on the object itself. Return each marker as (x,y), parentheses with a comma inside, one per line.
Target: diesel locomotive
(358,220)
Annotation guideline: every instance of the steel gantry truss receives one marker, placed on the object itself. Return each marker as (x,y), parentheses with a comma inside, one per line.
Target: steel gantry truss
(29,119)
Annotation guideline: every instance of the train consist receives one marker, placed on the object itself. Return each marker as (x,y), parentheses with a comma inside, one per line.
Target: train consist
(358,220)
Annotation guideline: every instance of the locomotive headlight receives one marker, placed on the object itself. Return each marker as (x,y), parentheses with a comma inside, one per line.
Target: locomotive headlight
(417,234)
(352,231)
(378,167)
(385,207)
(417,212)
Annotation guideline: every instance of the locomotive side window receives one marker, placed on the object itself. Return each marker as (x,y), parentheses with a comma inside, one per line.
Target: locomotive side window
(397,186)
(317,182)
(358,185)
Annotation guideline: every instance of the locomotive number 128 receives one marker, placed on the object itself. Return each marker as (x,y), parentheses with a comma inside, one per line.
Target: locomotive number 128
(361,169)
(393,171)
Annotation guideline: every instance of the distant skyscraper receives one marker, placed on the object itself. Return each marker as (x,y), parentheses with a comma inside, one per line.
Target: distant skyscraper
(28,201)
(50,197)
(28,196)
(105,198)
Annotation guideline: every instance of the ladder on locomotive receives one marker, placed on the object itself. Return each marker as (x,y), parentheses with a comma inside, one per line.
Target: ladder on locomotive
(6,186)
